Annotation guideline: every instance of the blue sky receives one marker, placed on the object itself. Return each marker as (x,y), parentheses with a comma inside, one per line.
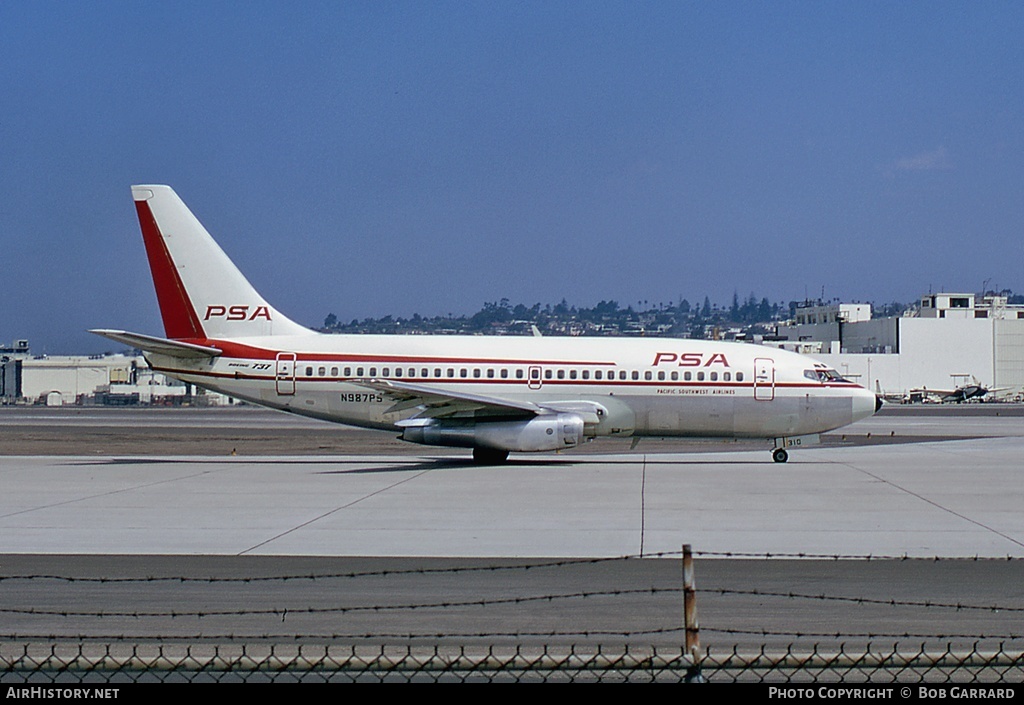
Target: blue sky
(365,158)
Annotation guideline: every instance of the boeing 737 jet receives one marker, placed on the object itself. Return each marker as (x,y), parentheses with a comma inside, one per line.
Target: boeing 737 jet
(491,394)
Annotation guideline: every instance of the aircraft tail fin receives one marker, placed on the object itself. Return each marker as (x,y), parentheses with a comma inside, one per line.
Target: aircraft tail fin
(201,292)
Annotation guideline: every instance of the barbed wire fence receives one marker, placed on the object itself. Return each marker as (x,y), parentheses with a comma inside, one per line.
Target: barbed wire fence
(63,627)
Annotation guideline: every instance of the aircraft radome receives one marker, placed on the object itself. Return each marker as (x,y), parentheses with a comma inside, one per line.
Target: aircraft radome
(489,393)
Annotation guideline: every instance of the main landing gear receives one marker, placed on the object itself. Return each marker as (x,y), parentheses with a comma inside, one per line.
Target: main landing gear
(489,456)
(779,455)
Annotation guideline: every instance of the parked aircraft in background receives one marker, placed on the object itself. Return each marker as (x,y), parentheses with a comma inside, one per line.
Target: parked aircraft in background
(962,393)
(491,394)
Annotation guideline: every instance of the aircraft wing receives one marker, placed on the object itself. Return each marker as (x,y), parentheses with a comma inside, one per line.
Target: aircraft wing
(164,346)
(935,395)
(436,403)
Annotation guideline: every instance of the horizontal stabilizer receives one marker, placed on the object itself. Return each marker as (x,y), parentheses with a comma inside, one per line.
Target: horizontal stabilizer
(163,346)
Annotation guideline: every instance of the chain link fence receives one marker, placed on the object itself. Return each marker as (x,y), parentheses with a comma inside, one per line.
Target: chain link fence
(122,663)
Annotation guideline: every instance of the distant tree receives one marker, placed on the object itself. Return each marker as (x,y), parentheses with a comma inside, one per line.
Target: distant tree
(331,321)
(490,314)
(606,308)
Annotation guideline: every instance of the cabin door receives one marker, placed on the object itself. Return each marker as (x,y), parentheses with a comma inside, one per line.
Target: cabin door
(285,375)
(764,379)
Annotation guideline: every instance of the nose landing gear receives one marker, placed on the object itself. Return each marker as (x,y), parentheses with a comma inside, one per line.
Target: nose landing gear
(779,455)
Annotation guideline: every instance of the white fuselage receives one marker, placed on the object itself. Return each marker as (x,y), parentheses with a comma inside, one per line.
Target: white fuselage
(645,387)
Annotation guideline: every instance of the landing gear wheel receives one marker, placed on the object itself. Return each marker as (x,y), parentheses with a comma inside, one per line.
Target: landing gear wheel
(489,456)
(779,455)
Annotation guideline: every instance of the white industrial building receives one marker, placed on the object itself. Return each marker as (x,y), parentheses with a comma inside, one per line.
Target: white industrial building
(103,379)
(941,344)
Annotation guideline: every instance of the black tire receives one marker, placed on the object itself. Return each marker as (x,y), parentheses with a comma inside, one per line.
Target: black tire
(489,456)
(779,455)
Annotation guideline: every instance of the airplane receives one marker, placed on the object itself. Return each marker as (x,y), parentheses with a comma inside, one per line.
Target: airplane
(962,393)
(492,394)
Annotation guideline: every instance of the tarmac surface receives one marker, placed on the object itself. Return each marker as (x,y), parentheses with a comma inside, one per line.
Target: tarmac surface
(420,533)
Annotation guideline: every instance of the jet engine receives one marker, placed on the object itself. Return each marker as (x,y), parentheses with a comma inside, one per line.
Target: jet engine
(540,433)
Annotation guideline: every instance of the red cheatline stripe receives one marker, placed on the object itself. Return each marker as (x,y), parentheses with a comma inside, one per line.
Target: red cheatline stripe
(180,320)
(497,380)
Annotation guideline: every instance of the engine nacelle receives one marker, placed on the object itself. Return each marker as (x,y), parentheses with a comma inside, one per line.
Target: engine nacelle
(545,432)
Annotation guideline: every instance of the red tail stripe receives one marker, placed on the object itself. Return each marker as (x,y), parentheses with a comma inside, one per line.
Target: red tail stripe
(180,319)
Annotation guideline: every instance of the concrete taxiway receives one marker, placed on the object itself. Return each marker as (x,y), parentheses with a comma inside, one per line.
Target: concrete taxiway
(958,498)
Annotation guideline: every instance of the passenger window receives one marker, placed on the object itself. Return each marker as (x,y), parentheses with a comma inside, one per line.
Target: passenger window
(426,373)
(348,371)
(636,375)
(648,375)
(561,374)
(572,374)
(322,372)
(359,372)
(687,376)
(586,374)
(490,374)
(700,376)
(598,374)
(334,372)
(476,372)
(622,374)
(386,372)
(398,372)
(451,372)
(739,376)
(519,374)
(547,374)
(675,376)
(726,376)
(714,376)
(412,371)
(504,373)
(463,372)
(309,371)
(661,375)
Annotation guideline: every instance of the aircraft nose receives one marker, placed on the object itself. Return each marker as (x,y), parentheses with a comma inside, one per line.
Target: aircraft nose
(865,403)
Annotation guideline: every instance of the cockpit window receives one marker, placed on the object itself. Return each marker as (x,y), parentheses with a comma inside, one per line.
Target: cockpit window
(824,374)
